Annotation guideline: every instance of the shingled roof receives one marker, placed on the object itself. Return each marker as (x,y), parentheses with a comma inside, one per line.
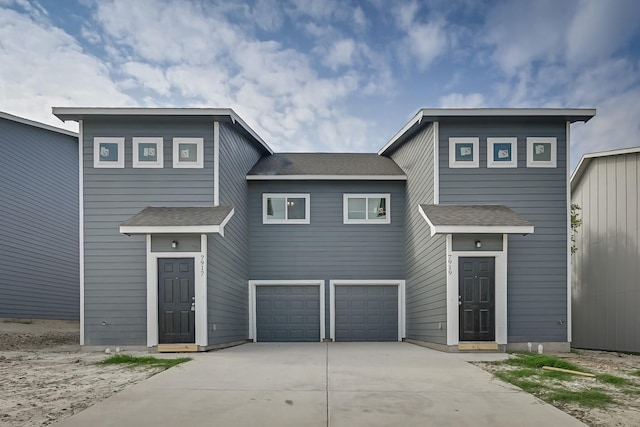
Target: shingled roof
(326,166)
(178,219)
(445,219)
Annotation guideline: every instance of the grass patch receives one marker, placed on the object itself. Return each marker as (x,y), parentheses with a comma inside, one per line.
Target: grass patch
(631,391)
(613,380)
(149,361)
(636,373)
(562,376)
(523,373)
(589,398)
(526,385)
(540,360)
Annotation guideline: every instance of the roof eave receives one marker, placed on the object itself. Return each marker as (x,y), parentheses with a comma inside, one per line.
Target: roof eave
(80,113)
(481,229)
(586,159)
(326,177)
(429,115)
(33,123)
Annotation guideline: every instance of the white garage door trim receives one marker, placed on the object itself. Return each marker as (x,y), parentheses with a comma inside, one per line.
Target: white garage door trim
(401,301)
(252,301)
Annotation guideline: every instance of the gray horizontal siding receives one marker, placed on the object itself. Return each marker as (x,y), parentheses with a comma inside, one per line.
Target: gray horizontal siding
(537,265)
(115,264)
(229,255)
(38,223)
(606,294)
(326,248)
(424,255)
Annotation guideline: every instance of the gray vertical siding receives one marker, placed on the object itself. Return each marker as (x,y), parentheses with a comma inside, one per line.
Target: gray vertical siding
(537,264)
(115,264)
(605,293)
(426,289)
(228,265)
(326,248)
(38,223)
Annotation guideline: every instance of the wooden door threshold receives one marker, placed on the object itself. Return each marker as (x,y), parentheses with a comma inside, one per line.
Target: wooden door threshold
(177,348)
(478,346)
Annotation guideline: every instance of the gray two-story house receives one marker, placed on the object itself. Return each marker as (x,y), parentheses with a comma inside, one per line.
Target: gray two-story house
(195,235)
(38,220)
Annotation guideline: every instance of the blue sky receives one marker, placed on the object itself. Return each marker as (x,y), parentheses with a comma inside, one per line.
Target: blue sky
(324,75)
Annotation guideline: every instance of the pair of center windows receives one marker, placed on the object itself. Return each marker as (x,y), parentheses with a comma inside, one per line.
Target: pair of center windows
(295,208)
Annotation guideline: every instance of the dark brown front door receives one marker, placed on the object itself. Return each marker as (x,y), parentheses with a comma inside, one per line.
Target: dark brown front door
(477,301)
(176,301)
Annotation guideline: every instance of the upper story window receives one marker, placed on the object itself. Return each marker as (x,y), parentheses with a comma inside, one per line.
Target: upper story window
(464,152)
(285,209)
(147,152)
(502,152)
(541,152)
(108,152)
(366,208)
(188,152)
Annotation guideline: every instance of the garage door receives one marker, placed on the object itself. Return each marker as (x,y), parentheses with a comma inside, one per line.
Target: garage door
(288,313)
(366,313)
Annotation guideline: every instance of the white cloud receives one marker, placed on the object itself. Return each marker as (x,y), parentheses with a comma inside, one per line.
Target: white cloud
(340,54)
(148,76)
(285,100)
(426,42)
(524,31)
(600,28)
(458,100)
(42,66)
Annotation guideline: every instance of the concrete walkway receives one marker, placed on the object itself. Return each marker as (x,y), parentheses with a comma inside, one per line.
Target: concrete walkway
(324,384)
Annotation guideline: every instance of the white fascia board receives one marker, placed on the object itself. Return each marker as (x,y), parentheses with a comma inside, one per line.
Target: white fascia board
(586,159)
(326,177)
(77,113)
(199,229)
(33,123)
(574,114)
(415,120)
(426,218)
(468,229)
(434,114)
(177,229)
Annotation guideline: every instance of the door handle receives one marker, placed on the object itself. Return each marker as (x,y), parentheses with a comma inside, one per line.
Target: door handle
(193,306)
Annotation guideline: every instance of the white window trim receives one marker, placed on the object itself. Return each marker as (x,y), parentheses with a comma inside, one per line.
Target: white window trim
(97,163)
(453,290)
(199,163)
(307,208)
(475,163)
(542,164)
(492,163)
(200,288)
(253,334)
(159,163)
(401,302)
(366,196)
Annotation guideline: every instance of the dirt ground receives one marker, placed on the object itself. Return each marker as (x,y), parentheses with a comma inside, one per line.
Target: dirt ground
(624,412)
(44,376)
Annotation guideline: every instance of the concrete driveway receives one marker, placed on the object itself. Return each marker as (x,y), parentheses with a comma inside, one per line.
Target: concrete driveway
(324,384)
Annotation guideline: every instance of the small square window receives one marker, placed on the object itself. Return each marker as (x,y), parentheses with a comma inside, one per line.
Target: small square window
(108,152)
(541,152)
(502,152)
(188,152)
(366,209)
(285,209)
(148,152)
(463,152)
